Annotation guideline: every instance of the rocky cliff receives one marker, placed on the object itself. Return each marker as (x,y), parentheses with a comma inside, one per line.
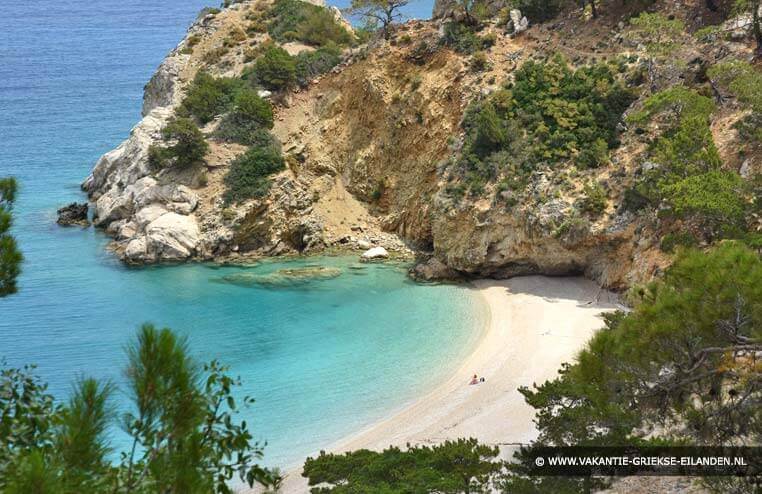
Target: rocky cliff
(370,148)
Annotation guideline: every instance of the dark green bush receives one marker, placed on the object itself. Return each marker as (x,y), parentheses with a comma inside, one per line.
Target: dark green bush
(248,175)
(275,69)
(187,147)
(593,199)
(463,39)
(462,465)
(208,97)
(297,20)
(250,113)
(310,64)
(688,176)
(671,241)
(716,199)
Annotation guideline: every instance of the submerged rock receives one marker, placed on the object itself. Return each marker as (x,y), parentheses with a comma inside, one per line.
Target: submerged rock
(73,214)
(283,278)
(375,253)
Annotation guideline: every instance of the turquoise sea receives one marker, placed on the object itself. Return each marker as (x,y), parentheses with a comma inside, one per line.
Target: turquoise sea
(322,358)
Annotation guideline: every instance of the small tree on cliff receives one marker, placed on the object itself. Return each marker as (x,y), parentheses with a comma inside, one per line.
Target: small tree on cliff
(386,12)
(10,257)
(659,35)
(753,7)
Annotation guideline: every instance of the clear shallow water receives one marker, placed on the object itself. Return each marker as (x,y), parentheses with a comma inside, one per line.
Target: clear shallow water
(322,359)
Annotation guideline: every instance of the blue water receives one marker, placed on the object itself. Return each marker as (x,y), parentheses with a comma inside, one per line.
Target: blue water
(322,359)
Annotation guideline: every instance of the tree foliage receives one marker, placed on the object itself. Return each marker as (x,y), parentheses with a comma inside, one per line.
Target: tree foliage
(274,69)
(10,256)
(248,175)
(659,34)
(208,96)
(299,20)
(688,174)
(744,82)
(457,466)
(384,12)
(186,145)
(182,422)
(551,114)
(249,116)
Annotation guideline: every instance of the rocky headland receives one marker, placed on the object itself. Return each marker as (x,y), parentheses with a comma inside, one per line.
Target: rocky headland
(372,150)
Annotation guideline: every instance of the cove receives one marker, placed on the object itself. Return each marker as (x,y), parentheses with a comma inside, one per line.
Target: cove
(323,357)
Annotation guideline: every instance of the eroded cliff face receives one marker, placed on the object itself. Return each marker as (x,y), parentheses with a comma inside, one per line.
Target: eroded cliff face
(369,148)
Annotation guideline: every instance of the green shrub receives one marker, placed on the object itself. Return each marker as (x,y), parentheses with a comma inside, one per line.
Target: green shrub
(187,147)
(714,199)
(208,97)
(479,61)
(275,69)
(298,20)
(250,113)
(688,175)
(462,38)
(248,174)
(671,241)
(462,465)
(685,146)
(310,64)
(550,114)
(745,83)
(593,199)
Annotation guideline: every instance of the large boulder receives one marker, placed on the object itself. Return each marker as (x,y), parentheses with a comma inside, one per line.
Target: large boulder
(149,214)
(172,236)
(177,198)
(73,214)
(518,23)
(375,253)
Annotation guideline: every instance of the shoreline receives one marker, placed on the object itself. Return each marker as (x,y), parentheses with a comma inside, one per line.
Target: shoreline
(534,324)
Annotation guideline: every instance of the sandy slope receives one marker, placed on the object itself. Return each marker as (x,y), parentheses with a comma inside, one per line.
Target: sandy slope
(535,324)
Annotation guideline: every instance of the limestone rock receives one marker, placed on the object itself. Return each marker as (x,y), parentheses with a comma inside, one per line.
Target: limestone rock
(149,214)
(433,269)
(73,214)
(375,253)
(136,250)
(160,90)
(518,23)
(172,236)
(127,163)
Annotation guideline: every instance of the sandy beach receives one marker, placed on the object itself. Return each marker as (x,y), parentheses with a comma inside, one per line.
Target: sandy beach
(535,324)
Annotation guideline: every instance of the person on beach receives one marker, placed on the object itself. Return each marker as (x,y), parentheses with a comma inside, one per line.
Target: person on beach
(476,380)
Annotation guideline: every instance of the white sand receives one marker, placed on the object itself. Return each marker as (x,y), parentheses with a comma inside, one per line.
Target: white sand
(535,324)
